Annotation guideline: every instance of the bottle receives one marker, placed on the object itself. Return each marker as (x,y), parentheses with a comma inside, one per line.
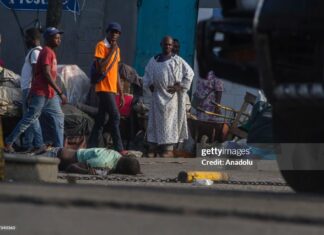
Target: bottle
(203,182)
(190,176)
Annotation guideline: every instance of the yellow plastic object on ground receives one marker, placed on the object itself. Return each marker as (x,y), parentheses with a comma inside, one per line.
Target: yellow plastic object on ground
(191,176)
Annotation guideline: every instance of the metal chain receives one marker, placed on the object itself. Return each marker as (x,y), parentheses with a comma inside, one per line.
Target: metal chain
(162,180)
(256,183)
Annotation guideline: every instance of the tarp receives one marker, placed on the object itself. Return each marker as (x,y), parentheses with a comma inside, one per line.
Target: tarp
(74,82)
(9,79)
(76,122)
(10,94)
(10,101)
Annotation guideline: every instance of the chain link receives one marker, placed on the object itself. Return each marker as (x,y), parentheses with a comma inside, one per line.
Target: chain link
(256,183)
(73,178)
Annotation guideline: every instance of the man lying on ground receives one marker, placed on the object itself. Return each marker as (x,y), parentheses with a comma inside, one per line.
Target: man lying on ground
(95,161)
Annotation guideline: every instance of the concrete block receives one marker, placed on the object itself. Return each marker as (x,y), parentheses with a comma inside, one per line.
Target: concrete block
(24,168)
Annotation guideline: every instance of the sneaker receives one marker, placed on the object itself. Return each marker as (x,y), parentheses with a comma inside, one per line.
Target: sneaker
(40,150)
(8,148)
(28,150)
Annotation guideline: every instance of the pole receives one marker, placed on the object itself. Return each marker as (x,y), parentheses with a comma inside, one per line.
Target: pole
(54,13)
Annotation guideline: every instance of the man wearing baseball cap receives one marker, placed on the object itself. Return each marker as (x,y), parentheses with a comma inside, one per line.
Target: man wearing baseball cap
(44,94)
(107,57)
(51,31)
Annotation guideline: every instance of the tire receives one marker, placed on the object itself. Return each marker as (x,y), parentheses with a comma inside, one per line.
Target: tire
(305,181)
(301,165)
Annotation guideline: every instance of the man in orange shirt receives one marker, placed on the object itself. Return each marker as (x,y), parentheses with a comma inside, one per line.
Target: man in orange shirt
(107,56)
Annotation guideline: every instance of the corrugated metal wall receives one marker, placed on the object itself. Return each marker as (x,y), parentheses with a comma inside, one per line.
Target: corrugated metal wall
(157,18)
(81,32)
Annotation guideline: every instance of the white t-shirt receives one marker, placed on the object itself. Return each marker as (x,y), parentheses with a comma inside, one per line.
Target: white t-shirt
(26,71)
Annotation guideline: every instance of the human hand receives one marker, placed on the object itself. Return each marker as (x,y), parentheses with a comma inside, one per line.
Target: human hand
(122,101)
(151,88)
(92,171)
(175,88)
(171,89)
(113,44)
(64,99)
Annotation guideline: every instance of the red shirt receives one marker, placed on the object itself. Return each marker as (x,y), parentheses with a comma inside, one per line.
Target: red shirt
(40,85)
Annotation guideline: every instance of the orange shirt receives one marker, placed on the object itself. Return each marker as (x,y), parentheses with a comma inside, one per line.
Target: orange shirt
(109,83)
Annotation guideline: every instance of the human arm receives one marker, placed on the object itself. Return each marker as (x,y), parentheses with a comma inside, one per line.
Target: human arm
(103,59)
(34,54)
(175,88)
(187,75)
(79,168)
(148,77)
(33,71)
(120,91)
(48,77)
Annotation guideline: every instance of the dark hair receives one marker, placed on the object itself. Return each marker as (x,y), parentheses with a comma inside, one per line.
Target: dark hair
(128,165)
(33,34)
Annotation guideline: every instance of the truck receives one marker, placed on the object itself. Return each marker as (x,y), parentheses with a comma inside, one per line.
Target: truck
(276,46)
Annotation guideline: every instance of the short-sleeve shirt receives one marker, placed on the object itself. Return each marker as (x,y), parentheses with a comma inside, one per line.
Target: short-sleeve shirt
(40,86)
(26,71)
(109,83)
(99,157)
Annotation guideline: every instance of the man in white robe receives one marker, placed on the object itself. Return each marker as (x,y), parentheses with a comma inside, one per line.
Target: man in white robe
(169,78)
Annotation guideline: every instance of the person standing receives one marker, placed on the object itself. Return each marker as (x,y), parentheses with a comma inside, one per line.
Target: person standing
(209,91)
(43,98)
(107,55)
(169,77)
(176,46)
(33,135)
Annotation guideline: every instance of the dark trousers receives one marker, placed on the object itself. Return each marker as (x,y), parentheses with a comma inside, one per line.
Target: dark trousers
(107,104)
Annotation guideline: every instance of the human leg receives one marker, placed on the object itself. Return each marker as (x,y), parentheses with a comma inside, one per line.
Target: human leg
(54,117)
(33,135)
(34,110)
(152,150)
(114,117)
(99,121)
(67,157)
(167,150)
(28,135)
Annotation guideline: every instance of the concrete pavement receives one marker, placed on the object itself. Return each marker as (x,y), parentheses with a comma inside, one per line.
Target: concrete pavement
(126,209)
(113,207)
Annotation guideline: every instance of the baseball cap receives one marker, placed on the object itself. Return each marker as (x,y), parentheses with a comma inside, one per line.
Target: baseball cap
(114,26)
(50,31)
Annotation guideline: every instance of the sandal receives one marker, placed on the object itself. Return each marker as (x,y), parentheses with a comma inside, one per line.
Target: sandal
(167,154)
(150,154)
(123,152)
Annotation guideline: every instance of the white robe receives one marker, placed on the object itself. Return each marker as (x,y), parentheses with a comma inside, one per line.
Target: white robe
(167,118)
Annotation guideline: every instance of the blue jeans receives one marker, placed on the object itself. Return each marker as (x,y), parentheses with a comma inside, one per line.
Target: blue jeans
(107,104)
(52,121)
(51,109)
(33,135)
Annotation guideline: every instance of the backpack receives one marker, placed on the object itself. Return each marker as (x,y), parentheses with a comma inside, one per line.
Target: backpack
(31,52)
(95,72)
